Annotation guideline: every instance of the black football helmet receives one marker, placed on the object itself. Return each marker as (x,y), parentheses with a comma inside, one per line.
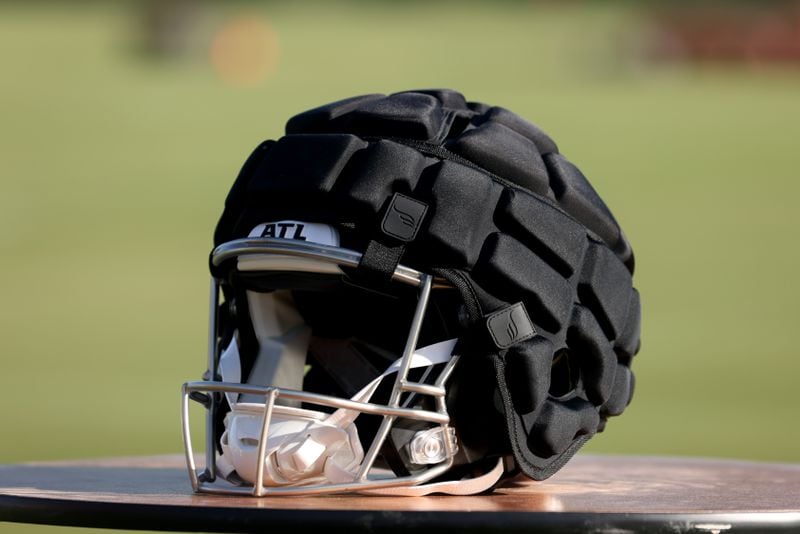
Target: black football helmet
(410,294)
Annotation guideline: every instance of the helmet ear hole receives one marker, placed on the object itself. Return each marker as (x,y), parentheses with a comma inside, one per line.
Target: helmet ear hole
(564,374)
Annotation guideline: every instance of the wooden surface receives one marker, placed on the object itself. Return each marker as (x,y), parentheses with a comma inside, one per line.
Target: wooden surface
(602,493)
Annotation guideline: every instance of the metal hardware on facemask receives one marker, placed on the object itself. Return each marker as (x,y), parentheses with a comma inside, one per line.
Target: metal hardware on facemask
(202,398)
(428,446)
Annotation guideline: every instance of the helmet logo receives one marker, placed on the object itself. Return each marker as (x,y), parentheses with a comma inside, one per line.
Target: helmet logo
(310,232)
(404,217)
(511,329)
(510,326)
(284,230)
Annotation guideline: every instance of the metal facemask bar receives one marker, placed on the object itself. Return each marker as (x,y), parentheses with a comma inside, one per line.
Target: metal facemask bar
(204,391)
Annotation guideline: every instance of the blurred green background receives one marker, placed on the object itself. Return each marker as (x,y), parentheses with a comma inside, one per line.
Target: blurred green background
(122,126)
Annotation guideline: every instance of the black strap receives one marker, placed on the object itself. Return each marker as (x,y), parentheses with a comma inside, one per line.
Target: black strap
(401,222)
(379,262)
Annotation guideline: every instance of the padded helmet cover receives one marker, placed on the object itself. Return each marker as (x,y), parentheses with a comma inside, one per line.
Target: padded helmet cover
(509,220)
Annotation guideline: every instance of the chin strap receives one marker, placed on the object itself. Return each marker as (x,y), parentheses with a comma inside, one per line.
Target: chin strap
(469,486)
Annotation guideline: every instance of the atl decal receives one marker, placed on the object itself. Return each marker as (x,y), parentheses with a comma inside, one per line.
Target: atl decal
(284,230)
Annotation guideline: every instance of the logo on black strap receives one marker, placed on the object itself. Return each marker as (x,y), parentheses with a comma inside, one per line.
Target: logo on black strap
(510,326)
(403,217)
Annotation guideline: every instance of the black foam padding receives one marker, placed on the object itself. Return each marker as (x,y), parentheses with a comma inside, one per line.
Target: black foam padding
(620,393)
(411,115)
(379,171)
(558,239)
(304,163)
(598,359)
(527,372)
(500,115)
(628,341)
(509,220)
(459,220)
(237,195)
(605,287)
(560,424)
(479,107)
(447,97)
(547,295)
(322,118)
(519,161)
(576,195)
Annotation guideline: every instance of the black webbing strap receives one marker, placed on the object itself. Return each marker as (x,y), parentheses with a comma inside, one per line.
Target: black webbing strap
(399,226)
(379,261)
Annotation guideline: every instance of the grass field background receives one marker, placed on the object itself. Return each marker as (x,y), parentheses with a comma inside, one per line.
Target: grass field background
(114,166)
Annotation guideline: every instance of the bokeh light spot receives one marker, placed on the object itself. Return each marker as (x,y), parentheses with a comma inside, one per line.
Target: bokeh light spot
(244,52)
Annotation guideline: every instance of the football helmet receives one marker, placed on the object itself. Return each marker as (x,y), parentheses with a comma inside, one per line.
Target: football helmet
(410,294)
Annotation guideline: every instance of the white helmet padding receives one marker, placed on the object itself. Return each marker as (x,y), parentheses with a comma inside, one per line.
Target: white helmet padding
(304,446)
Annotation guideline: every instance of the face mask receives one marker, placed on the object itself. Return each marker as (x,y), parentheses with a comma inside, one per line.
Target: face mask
(303,446)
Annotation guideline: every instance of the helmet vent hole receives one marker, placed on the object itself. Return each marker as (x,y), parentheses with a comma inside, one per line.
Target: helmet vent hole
(564,374)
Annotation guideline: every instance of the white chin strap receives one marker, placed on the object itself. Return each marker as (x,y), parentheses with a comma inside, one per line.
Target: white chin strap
(307,447)
(468,486)
(302,446)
